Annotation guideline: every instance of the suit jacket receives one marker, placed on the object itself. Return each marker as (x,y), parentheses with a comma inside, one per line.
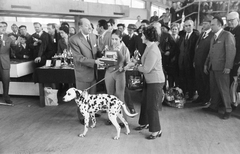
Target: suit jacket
(53,44)
(187,49)
(20,51)
(41,49)
(106,40)
(202,49)
(222,52)
(167,43)
(131,43)
(236,33)
(84,55)
(140,46)
(62,45)
(5,45)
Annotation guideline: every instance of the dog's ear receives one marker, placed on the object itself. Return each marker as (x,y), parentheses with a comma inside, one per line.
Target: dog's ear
(77,94)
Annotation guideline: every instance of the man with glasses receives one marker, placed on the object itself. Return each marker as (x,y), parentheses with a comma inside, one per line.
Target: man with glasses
(234,28)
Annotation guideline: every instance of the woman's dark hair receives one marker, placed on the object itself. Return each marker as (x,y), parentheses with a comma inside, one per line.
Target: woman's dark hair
(65,24)
(117,32)
(65,29)
(150,33)
(103,23)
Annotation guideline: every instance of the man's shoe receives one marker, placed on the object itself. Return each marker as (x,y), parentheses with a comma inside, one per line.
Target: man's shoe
(81,121)
(205,103)
(226,115)
(8,101)
(208,109)
(233,107)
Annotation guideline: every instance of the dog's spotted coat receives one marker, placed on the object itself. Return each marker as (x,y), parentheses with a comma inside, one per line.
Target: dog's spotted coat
(90,104)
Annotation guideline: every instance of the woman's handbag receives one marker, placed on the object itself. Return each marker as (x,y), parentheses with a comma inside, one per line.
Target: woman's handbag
(135,80)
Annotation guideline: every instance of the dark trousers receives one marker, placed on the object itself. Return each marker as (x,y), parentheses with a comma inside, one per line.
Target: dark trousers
(220,91)
(202,84)
(128,101)
(152,100)
(187,80)
(5,76)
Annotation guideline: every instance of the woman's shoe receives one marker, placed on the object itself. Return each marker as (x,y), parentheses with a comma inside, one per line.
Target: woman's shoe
(142,127)
(151,137)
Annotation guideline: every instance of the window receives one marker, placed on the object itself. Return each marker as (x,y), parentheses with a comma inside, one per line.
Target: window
(123,2)
(138,4)
(160,10)
(107,1)
(92,1)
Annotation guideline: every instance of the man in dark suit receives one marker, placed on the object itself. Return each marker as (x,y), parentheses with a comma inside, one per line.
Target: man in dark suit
(23,31)
(167,46)
(84,49)
(140,46)
(185,61)
(201,52)
(5,45)
(39,45)
(220,61)
(154,17)
(54,38)
(130,39)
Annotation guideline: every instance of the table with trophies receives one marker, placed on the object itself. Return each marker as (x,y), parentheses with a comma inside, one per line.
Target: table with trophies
(61,70)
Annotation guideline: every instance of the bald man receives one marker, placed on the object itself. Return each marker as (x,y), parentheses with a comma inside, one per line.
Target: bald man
(84,49)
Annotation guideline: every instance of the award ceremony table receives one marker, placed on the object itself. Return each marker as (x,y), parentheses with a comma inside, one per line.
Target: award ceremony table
(47,75)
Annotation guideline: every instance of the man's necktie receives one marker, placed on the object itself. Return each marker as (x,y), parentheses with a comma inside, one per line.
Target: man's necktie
(204,35)
(88,40)
(215,38)
(186,38)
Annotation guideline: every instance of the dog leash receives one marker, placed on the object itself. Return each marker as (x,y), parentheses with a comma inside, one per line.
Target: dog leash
(100,81)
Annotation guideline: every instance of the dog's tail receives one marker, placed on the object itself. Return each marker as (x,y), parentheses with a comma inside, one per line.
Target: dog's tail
(127,112)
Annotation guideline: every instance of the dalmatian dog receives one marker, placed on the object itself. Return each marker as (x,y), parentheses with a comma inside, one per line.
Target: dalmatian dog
(90,104)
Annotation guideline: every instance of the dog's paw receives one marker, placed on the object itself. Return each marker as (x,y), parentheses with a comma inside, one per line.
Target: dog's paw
(81,135)
(116,138)
(127,133)
(92,126)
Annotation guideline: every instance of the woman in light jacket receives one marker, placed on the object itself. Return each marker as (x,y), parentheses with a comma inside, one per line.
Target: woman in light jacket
(115,79)
(152,69)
